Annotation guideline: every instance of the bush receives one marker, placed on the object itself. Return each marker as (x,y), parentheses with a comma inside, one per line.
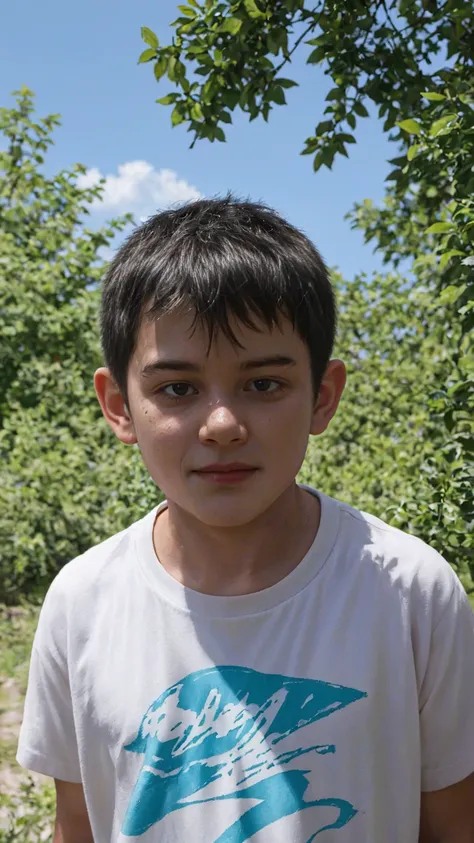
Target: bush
(28,816)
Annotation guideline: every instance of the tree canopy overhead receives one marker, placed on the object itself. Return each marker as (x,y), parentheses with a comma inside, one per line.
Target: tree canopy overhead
(229,54)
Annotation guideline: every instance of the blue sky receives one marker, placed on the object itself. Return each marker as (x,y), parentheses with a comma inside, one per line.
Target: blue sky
(81,61)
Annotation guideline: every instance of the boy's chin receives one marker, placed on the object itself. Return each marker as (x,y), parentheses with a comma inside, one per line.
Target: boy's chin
(230,514)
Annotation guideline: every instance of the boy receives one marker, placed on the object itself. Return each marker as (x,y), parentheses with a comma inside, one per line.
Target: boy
(252,660)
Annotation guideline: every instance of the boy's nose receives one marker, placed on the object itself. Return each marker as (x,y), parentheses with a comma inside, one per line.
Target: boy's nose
(223,426)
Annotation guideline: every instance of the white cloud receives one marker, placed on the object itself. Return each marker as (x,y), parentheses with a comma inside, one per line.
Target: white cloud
(139,188)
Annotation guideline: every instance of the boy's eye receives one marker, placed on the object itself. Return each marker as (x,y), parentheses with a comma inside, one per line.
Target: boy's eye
(265,385)
(177,390)
(181,389)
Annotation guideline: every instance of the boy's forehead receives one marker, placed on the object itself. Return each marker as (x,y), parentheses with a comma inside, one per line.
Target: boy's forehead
(177,335)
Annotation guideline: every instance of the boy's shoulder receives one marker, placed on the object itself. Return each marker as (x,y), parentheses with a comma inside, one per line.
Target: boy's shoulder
(109,562)
(418,571)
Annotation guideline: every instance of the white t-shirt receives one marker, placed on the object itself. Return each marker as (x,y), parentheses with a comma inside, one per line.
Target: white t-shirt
(317,708)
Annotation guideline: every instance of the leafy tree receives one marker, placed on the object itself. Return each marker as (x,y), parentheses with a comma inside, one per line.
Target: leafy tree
(229,54)
(428,215)
(411,60)
(64,483)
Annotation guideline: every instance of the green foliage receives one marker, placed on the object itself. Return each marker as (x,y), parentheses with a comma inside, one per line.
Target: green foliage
(29,813)
(17,628)
(403,444)
(228,54)
(428,217)
(65,483)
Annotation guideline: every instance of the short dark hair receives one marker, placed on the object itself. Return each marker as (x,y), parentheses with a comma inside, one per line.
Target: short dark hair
(219,257)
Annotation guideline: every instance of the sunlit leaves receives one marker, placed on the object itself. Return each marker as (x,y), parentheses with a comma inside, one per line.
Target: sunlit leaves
(147,55)
(149,37)
(441,124)
(232,25)
(411,127)
(433,96)
(252,9)
(440,228)
(412,151)
(54,447)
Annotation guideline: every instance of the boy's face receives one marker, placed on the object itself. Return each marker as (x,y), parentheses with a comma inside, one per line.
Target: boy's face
(190,410)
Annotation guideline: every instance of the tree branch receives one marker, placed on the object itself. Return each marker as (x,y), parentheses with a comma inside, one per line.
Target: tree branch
(298,41)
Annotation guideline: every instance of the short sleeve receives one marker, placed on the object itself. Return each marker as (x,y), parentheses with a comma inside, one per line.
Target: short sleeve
(47,742)
(447,697)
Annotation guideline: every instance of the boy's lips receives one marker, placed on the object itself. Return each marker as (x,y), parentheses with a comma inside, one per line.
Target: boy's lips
(226,467)
(232,472)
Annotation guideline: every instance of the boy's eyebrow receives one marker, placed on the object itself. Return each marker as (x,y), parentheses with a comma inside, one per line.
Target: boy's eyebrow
(186,366)
(274,360)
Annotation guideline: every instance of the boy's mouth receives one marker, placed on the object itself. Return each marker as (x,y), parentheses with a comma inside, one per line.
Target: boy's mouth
(234,472)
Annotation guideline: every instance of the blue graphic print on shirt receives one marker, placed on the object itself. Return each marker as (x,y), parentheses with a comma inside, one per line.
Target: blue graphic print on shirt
(230,730)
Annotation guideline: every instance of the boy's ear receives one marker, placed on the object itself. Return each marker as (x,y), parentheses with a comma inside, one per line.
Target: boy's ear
(331,389)
(113,406)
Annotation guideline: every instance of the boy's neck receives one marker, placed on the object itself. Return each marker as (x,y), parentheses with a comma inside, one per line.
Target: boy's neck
(235,561)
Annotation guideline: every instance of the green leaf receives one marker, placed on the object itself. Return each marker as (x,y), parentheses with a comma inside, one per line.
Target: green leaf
(286,83)
(231,98)
(440,228)
(231,25)
(334,94)
(316,56)
(187,11)
(412,151)
(440,124)
(311,146)
(324,126)
(219,134)
(277,95)
(273,46)
(346,138)
(410,126)
(451,294)
(160,68)
(147,55)
(176,116)
(180,71)
(170,98)
(172,61)
(394,175)
(399,161)
(196,111)
(325,157)
(432,96)
(360,109)
(252,9)
(446,257)
(244,97)
(149,37)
